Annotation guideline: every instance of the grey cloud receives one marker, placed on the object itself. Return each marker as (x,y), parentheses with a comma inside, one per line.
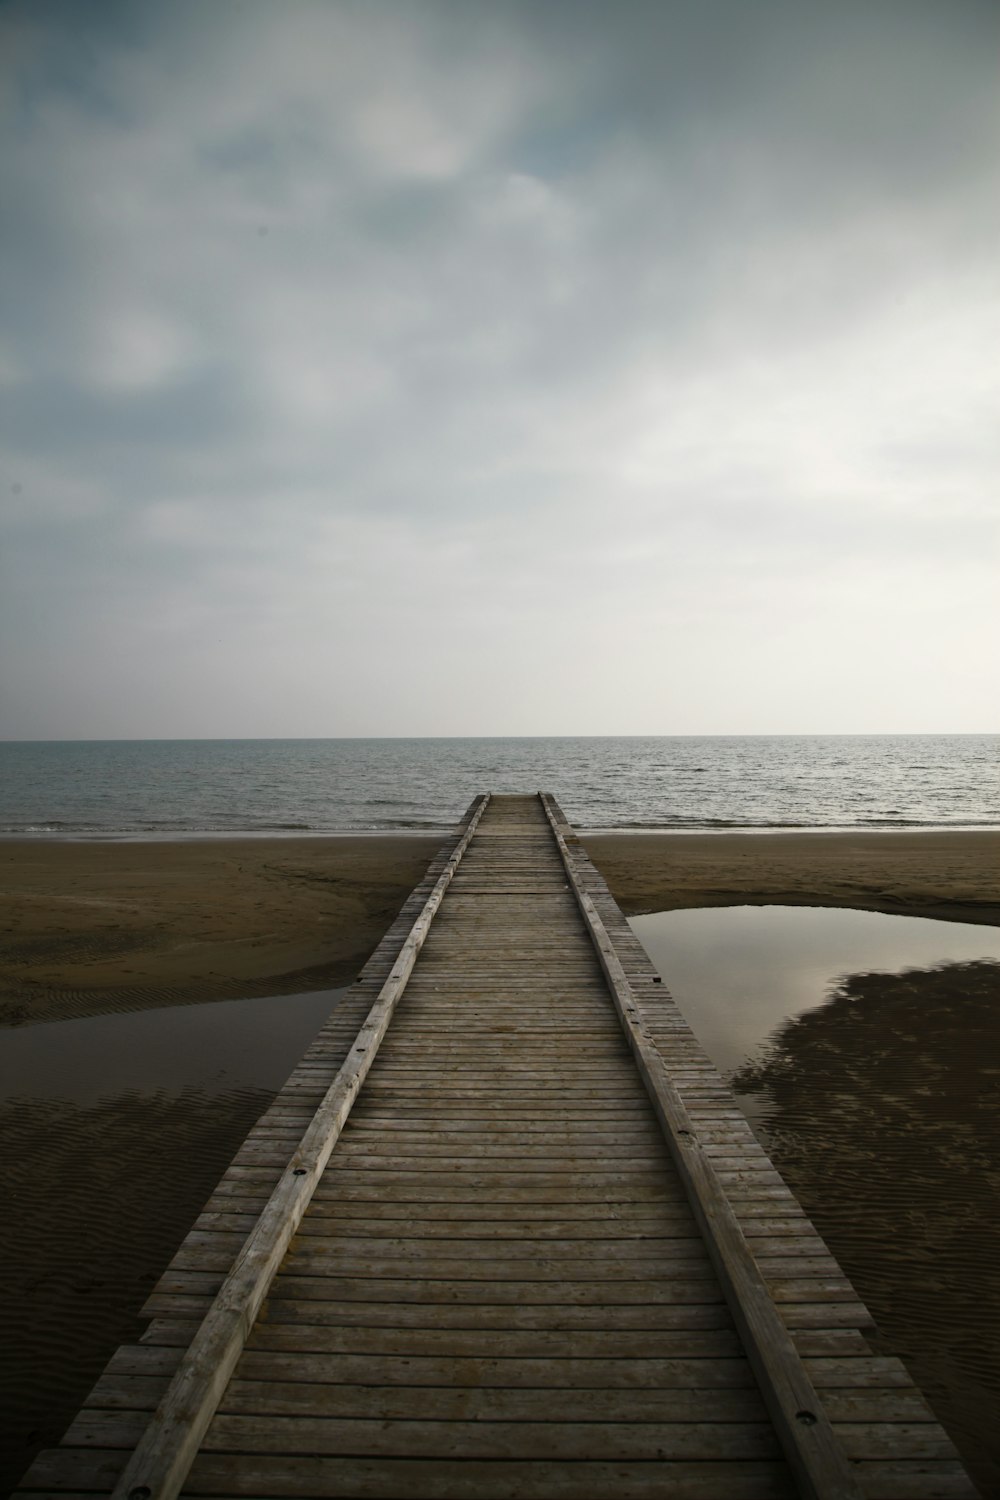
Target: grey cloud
(322,312)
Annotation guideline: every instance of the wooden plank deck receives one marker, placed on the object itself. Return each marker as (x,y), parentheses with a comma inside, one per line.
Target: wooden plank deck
(500,1286)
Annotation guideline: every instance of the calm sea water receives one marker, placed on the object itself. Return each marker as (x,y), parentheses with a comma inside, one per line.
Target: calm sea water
(122,788)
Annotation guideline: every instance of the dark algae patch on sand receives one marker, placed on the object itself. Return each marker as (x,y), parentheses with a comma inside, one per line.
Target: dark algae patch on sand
(883,1113)
(96,1201)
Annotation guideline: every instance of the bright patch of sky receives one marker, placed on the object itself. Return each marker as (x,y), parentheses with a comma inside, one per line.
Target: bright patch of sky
(441,368)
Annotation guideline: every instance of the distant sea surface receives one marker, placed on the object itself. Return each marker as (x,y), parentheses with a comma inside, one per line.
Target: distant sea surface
(176,788)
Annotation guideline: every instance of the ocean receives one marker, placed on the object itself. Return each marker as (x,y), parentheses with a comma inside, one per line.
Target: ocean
(181,788)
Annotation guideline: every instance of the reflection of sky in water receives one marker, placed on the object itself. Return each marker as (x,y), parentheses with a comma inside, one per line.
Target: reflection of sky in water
(738,972)
(214,1048)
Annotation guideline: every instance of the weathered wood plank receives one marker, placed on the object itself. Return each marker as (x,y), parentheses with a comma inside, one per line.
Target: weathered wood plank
(443,1438)
(612,1292)
(505,1344)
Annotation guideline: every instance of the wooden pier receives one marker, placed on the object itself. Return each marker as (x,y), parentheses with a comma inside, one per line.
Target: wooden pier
(504,1233)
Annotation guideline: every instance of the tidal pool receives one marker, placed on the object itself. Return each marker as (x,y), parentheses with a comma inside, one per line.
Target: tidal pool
(740,972)
(213,1048)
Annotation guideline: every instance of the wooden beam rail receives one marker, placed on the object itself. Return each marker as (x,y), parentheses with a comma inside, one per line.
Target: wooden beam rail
(167,1448)
(819,1463)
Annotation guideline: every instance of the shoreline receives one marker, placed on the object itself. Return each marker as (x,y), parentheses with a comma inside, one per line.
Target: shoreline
(441,831)
(216,835)
(95,927)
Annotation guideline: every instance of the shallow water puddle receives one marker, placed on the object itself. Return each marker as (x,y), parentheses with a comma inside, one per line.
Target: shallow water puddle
(739,972)
(213,1048)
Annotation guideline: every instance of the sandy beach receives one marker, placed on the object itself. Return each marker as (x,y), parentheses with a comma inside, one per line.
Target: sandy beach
(952,876)
(90,928)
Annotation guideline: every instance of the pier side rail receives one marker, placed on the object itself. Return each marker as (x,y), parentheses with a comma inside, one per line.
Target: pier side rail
(816,1457)
(163,1456)
(690,1102)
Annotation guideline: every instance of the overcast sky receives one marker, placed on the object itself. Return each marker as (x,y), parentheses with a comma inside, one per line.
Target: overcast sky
(488,367)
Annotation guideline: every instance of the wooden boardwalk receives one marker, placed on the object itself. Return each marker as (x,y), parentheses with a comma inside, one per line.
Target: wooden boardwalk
(542,1255)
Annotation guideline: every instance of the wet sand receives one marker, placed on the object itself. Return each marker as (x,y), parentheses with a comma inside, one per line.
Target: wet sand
(90,928)
(97,1199)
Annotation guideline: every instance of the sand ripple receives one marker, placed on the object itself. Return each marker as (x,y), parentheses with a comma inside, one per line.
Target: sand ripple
(101,1197)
